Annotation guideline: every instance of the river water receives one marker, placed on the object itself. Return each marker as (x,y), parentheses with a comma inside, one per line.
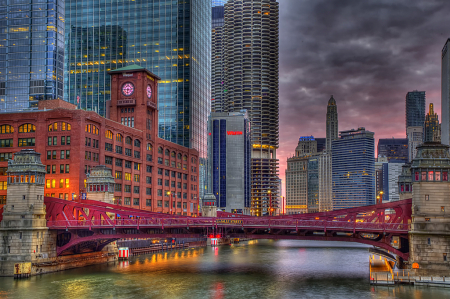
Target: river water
(254,269)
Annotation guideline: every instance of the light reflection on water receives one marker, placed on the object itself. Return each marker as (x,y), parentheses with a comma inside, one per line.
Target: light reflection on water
(255,269)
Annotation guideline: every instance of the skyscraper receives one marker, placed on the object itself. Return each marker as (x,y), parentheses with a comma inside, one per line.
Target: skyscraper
(431,125)
(217,56)
(250,41)
(445,94)
(353,170)
(415,108)
(415,138)
(31,53)
(332,122)
(171,39)
(394,149)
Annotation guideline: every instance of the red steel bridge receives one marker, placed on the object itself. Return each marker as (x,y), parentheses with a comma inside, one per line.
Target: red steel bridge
(86,225)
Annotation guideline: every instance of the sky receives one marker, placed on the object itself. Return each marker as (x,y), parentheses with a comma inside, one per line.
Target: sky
(367,54)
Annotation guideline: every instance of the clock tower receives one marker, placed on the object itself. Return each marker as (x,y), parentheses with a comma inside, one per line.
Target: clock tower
(134,92)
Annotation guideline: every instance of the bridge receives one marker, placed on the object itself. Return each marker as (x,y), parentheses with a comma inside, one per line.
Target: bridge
(88,226)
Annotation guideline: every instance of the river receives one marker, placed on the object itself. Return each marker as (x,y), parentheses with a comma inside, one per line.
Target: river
(254,269)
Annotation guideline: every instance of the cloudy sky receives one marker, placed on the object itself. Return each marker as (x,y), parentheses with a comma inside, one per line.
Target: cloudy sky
(367,54)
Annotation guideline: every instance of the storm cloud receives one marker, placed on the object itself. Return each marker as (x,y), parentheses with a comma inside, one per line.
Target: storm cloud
(367,54)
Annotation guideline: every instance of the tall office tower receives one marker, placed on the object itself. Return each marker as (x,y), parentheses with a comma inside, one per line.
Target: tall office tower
(332,122)
(217,58)
(415,138)
(445,94)
(250,39)
(302,178)
(415,108)
(353,169)
(431,125)
(391,172)
(321,144)
(229,161)
(394,149)
(31,53)
(171,39)
(325,180)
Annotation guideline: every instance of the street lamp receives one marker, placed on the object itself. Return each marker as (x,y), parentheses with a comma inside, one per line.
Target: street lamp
(380,197)
(170,194)
(270,202)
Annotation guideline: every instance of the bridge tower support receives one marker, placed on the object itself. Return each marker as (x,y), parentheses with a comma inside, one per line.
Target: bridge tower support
(209,206)
(24,236)
(430,226)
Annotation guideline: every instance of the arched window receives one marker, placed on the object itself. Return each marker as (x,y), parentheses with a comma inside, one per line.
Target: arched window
(6,129)
(137,143)
(160,150)
(184,158)
(27,128)
(179,156)
(108,134)
(128,140)
(91,129)
(149,147)
(173,154)
(167,152)
(65,126)
(119,137)
(53,127)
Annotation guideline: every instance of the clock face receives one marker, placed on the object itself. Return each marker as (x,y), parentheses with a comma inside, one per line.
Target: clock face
(149,91)
(128,89)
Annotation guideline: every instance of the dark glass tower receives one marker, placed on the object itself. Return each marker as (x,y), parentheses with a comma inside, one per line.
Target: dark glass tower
(31,52)
(415,109)
(170,38)
(394,149)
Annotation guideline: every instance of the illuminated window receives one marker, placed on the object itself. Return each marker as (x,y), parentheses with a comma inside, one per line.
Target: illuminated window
(108,134)
(430,175)
(119,137)
(27,128)
(149,146)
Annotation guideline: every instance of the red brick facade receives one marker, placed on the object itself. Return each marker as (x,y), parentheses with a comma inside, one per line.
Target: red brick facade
(146,167)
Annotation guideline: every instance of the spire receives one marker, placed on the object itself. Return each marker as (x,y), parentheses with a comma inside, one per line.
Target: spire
(431,112)
(331,101)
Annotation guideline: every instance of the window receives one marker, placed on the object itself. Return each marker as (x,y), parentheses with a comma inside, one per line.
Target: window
(67,168)
(160,182)
(128,188)
(63,140)
(108,134)
(167,152)
(174,173)
(53,168)
(149,146)
(53,154)
(6,142)
(137,143)
(445,176)
(118,175)
(148,191)
(55,140)
(61,168)
(159,203)
(184,186)
(91,129)
(442,209)
(160,150)
(185,176)
(427,197)
(160,171)
(118,187)
(166,183)
(172,163)
(127,200)
(137,166)
(166,193)
(135,201)
(62,154)
(128,140)
(61,183)
(430,175)
(160,160)
(119,137)
(53,127)
(148,202)
(179,204)
(68,140)
(179,185)
(3,185)
(166,203)
(7,129)
(109,147)
(445,256)
(172,184)
(5,156)
(108,160)
(437,176)
(127,176)
(136,189)
(137,154)
(179,175)
(119,162)
(49,141)
(166,172)
(424,176)
(3,170)
(184,158)
(118,149)
(127,164)
(149,158)
(136,177)
(149,169)
(173,154)
(25,128)
(159,192)
(427,219)
(128,152)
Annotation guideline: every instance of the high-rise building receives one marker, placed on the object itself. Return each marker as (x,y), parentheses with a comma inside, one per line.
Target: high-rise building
(353,171)
(31,53)
(415,138)
(332,122)
(321,144)
(431,125)
(229,150)
(325,180)
(250,41)
(217,57)
(415,108)
(391,172)
(445,94)
(169,38)
(394,149)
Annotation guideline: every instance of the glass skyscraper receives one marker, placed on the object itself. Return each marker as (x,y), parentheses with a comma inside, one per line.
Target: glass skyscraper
(394,149)
(415,109)
(170,38)
(353,171)
(31,52)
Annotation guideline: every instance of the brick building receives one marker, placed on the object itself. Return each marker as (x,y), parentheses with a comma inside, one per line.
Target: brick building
(149,172)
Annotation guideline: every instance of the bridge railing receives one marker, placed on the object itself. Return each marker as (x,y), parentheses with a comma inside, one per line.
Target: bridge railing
(227,222)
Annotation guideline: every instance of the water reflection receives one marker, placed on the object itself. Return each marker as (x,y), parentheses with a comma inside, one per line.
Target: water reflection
(257,269)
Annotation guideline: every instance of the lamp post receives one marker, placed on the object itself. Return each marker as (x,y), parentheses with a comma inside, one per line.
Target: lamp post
(380,197)
(171,199)
(270,202)
(198,204)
